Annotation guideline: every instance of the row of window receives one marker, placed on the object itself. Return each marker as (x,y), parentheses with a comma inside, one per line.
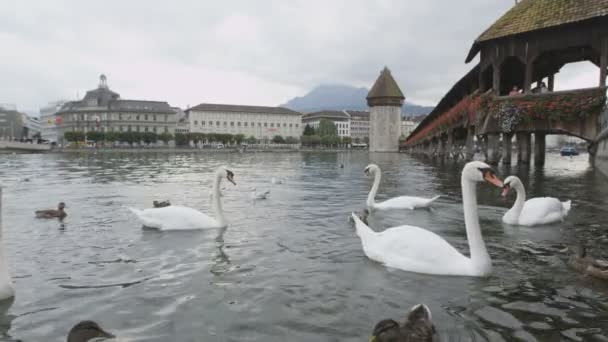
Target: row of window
(124,129)
(245,124)
(138,117)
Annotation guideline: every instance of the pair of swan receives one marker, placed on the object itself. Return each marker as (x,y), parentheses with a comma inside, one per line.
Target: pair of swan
(176,217)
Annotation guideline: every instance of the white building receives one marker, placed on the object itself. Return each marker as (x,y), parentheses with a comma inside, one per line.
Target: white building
(33,126)
(263,123)
(48,124)
(407,127)
(359,125)
(339,118)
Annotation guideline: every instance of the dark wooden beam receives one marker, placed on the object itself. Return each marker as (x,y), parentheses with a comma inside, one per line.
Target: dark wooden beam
(603,62)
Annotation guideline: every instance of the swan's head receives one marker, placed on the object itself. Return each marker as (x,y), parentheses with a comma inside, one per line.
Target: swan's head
(371,169)
(478,172)
(510,182)
(222,171)
(87,330)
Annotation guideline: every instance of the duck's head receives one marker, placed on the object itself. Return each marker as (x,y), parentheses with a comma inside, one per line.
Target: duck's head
(419,325)
(478,172)
(61,206)
(386,330)
(222,172)
(509,183)
(371,169)
(87,330)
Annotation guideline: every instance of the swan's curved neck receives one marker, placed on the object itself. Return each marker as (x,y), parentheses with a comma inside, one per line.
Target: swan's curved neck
(480,258)
(518,206)
(217,203)
(372,194)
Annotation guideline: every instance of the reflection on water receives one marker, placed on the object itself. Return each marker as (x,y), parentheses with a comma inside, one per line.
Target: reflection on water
(289,268)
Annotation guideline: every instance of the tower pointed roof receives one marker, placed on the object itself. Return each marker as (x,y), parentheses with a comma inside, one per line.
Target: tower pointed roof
(385,92)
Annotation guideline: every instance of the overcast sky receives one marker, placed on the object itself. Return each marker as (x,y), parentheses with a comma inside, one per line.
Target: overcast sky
(242,52)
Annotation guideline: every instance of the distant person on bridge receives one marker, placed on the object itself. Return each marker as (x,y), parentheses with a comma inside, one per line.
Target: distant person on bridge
(514,91)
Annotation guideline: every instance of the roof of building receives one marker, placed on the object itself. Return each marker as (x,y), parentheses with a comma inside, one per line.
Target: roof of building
(532,15)
(141,106)
(326,114)
(385,86)
(214,107)
(358,113)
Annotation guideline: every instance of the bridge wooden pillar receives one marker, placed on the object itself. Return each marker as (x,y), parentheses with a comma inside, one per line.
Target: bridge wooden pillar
(603,62)
(440,147)
(493,144)
(496,78)
(539,149)
(523,148)
(449,144)
(507,148)
(470,143)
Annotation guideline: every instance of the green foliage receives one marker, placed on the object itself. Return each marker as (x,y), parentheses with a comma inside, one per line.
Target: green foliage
(327,128)
(181,139)
(366,140)
(251,140)
(95,136)
(239,138)
(73,136)
(165,137)
(149,137)
(311,140)
(277,139)
(112,136)
(291,140)
(308,130)
(347,140)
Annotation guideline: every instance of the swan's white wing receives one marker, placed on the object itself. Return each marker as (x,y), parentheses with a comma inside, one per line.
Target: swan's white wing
(541,210)
(405,202)
(414,249)
(175,217)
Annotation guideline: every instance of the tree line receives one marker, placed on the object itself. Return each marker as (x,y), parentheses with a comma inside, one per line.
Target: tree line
(325,135)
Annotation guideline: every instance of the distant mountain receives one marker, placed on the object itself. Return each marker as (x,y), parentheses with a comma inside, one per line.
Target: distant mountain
(338,97)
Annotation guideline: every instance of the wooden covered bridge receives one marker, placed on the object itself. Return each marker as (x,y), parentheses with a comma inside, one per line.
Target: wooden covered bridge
(525,48)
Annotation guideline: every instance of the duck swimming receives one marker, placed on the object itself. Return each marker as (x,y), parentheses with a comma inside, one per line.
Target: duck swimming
(584,263)
(418,327)
(162,204)
(52,213)
(86,331)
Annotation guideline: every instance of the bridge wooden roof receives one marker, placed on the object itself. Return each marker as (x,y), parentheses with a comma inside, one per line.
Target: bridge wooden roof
(532,15)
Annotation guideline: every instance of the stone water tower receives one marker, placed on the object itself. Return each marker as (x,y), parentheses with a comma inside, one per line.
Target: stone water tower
(385,100)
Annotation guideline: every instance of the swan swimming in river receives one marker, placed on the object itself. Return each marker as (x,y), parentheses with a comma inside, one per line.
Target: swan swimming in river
(176,217)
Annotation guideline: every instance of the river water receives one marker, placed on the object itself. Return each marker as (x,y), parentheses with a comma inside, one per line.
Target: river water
(289,268)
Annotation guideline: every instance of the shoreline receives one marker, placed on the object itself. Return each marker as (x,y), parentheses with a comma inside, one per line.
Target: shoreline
(194,150)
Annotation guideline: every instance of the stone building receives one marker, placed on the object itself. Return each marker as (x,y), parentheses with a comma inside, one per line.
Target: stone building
(48,124)
(103,110)
(385,100)
(341,119)
(263,123)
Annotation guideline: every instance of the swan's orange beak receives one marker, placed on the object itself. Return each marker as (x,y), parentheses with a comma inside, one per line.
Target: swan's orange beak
(505,190)
(490,177)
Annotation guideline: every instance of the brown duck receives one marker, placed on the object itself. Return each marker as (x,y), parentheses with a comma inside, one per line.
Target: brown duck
(418,327)
(162,204)
(87,330)
(585,263)
(52,213)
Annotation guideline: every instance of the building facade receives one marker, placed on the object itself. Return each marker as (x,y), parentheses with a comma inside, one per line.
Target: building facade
(12,124)
(103,110)
(385,100)
(341,119)
(263,123)
(359,125)
(407,127)
(33,127)
(48,124)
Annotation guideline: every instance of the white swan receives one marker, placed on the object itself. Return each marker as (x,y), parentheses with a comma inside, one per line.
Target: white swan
(6,285)
(176,217)
(415,249)
(259,196)
(535,211)
(401,202)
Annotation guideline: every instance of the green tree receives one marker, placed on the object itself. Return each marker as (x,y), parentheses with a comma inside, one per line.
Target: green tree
(181,139)
(357,140)
(112,136)
(347,140)
(308,130)
(251,140)
(291,140)
(311,140)
(73,136)
(239,138)
(277,139)
(327,128)
(149,137)
(366,140)
(165,137)
(95,136)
